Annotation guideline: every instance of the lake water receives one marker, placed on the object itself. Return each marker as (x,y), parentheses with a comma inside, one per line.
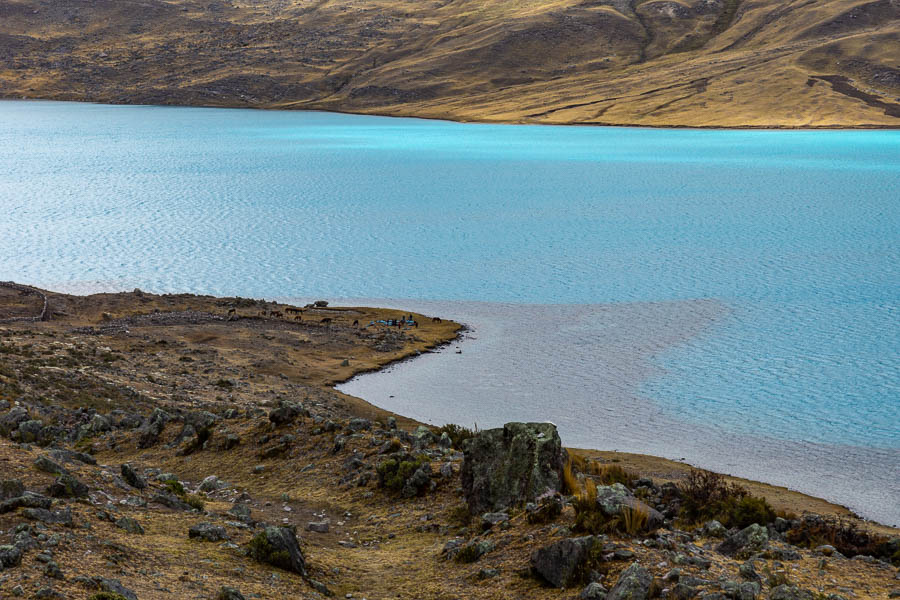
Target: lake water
(727,297)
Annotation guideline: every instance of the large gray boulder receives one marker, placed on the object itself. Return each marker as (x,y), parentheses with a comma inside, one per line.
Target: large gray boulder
(512,465)
(633,584)
(564,563)
(614,499)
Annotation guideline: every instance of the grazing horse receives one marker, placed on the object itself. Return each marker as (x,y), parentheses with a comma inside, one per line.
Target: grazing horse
(356,323)
(293,309)
(326,321)
(435,319)
(298,318)
(276,313)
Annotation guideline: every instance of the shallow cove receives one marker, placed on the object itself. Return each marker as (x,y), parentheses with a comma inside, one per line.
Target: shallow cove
(791,235)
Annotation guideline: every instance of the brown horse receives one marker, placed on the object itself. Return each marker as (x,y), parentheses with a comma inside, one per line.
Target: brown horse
(326,321)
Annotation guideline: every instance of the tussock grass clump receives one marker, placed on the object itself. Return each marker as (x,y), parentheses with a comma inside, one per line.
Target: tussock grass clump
(706,495)
(192,500)
(107,596)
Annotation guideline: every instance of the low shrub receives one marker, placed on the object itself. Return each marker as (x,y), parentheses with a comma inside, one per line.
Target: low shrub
(457,433)
(845,535)
(174,486)
(192,500)
(262,551)
(393,473)
(107,596)
(706,495)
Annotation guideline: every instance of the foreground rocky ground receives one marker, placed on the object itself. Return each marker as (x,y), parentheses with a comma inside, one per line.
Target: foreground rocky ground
(192,447)
(722,63)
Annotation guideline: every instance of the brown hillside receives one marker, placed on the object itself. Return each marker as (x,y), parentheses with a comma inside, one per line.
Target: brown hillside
(795,63)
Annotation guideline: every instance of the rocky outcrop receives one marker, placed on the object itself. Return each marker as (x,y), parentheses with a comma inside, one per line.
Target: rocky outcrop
(512,465)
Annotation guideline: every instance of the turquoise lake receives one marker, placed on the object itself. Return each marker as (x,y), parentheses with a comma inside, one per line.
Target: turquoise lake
(727,297)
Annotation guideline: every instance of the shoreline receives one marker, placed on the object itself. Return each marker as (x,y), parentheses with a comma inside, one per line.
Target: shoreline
(781,497)
(482,121)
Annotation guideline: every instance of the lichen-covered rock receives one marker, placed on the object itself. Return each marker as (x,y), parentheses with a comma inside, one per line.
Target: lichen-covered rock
(11,420)
(208,532)
(790,592)
(10,556)
(472,551)
(229,593)
(614,500)
(26,500)
(566,562)
(153,428)
(132,478)
(59,517)
(593,591)
(43,463)
(633,584)
(11,488)
(359,424)
(512,465)
(130,525)
(745,542)
(67,486)
(285,414)
(28,431)
(277,546)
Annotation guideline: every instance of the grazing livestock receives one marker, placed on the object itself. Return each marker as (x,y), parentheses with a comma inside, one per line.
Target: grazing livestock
(356,323)
(293,309)
(436,320)
(298,318)
(326,321)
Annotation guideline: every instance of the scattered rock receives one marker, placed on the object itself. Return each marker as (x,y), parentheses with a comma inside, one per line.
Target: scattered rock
(614,500)
(512,465)
(130,525)
(714,529)
(43,463)
(132,478)
(790,592)
(359,424)
(278,546)
(473,550)
(10,556)
(633,584)
(593,591)
(229,593)
(208,532)
(566,562)
(67,486)
(150,432)
(489,520)
(745,542)
(11,488)
(211,484)
(318,527)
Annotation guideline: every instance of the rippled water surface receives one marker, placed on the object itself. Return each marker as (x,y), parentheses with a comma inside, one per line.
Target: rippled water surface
(730,297)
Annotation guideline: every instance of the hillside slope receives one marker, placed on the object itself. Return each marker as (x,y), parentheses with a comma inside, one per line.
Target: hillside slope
(787,63)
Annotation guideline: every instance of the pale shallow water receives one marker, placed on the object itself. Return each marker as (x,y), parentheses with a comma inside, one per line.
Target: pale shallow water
(730,297)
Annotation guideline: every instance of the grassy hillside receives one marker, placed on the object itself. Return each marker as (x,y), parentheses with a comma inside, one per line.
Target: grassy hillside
(790,63)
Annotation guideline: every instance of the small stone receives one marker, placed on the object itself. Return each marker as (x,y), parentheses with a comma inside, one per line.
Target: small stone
(318,527)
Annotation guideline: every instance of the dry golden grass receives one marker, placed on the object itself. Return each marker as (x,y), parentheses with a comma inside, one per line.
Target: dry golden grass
(734,63)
